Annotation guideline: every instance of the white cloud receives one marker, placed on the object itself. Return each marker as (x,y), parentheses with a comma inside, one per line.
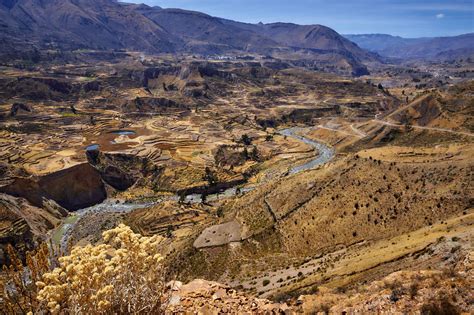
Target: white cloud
(440,15)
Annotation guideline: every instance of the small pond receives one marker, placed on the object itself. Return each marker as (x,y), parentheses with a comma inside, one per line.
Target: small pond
(123,132)
(92,147)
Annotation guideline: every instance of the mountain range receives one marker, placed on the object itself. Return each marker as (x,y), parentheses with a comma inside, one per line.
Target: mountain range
(431,48)
(109,24)
(27,25)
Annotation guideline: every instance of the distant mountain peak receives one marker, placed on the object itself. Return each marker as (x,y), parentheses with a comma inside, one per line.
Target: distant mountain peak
(416,48)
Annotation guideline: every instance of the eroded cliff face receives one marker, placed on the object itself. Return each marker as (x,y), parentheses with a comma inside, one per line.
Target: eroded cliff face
(23,225)
(73,188)
(120,170)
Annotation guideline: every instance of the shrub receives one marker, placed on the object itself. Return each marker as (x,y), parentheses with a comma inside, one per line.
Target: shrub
(444,306)
(122,275)
(245,139)
(19,282)
(413,291)
(265,282)
(325,308)
(396,295)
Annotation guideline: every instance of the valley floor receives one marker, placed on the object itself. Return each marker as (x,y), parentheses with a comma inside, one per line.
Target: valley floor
(289,185)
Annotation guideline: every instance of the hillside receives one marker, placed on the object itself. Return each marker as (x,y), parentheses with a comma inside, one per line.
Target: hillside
(449,109)
(125,258)
(206,34)
(315,37)
(68,24)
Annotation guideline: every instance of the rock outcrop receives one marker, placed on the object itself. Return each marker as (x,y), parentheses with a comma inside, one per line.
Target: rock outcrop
(120,170)
(206,297)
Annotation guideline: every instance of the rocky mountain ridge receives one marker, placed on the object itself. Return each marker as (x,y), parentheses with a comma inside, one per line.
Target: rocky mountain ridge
(32,25)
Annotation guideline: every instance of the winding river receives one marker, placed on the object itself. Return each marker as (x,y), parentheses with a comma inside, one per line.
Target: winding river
(323,153)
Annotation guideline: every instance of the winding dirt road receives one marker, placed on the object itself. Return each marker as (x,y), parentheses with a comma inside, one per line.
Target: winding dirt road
(386,123)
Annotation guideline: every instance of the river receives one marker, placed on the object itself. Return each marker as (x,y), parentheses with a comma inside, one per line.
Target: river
(324,155)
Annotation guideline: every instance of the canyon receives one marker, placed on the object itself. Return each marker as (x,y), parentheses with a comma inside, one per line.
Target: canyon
(285,168)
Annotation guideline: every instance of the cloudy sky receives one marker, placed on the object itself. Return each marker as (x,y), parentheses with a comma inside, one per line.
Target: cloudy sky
(407,18)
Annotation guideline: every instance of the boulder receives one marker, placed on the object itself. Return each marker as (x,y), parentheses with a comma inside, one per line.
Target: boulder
(218,235)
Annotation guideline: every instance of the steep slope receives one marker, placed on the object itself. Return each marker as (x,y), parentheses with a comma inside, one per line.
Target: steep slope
(408,48)
(73,188)
(204,33)
(452,109)
(313,37)
(22,224)
(313,219)
(102,24)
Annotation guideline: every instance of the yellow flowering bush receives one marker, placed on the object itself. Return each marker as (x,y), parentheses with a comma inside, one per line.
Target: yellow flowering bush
(18,282)
(122,275)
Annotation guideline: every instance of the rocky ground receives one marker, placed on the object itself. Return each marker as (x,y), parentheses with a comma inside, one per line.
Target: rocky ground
(444,291)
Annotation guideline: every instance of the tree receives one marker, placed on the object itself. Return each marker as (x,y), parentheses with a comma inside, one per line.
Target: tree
(210,177)
(182,198)
(245,139)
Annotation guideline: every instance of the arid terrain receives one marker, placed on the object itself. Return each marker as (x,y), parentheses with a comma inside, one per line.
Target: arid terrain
(197,152)
(289,180)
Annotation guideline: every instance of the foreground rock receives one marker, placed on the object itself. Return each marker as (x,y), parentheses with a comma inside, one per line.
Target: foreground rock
(442,291)
(207,297)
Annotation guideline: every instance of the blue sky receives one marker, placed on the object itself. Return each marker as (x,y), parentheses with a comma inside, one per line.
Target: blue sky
(407,18)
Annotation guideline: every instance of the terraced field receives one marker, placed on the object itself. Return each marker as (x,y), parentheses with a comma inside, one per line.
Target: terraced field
(272,181)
